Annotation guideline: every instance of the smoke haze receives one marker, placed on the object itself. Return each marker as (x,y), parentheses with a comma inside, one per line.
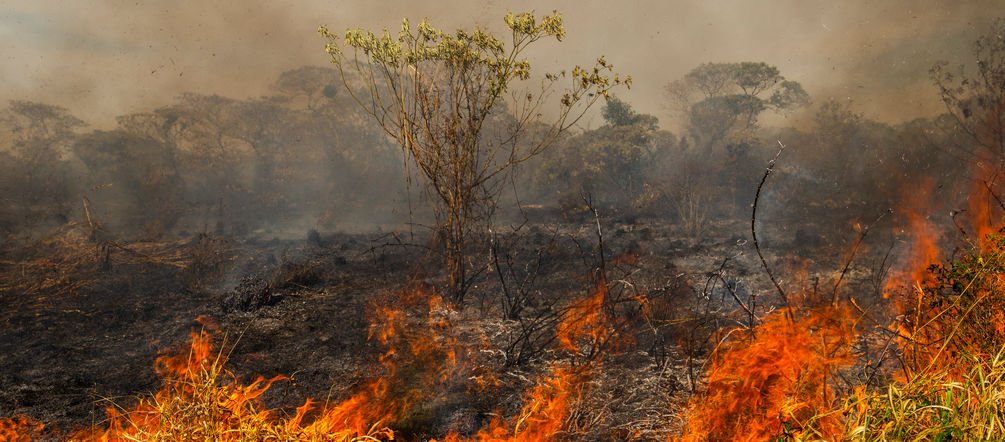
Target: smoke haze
(106,58)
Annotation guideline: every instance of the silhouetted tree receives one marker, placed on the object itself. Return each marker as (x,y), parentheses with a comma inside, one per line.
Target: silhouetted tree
(722,101)
(134,180)
(976,99)
(38,137)
(720,104)
(610,163)
(312,84)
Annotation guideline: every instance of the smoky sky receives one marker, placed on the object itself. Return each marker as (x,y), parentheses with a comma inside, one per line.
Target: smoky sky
(106,58)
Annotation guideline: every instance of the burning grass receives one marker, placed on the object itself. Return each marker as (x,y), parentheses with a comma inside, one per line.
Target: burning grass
(785,379)
(20,428)
(202,400)
(774,379)
(963,403)
(953,358)
(796,375)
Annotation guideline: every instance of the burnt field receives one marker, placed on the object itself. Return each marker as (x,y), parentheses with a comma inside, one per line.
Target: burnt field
(475,233)
(88,322)
(88,318)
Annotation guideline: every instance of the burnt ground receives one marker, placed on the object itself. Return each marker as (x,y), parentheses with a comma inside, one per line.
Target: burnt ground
(82,333)
(67,349)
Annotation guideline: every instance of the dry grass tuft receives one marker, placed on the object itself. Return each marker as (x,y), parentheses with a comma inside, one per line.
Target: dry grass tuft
(934,406)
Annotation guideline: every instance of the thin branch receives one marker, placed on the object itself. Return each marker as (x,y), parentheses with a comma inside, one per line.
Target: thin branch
(854,250)
(753,228)
(602,276)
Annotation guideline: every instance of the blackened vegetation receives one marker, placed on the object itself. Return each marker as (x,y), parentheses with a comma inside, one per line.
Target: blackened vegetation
(287,221)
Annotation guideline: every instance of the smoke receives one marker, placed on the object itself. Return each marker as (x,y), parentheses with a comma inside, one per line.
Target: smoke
(102,59)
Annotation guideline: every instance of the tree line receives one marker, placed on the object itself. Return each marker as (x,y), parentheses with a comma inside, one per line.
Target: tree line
(331,146)
(202,163)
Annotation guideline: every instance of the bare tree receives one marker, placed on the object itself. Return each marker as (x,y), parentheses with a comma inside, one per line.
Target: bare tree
(434,92)
(977,99)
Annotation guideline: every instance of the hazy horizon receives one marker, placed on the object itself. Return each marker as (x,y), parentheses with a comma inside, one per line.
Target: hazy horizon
(107,58)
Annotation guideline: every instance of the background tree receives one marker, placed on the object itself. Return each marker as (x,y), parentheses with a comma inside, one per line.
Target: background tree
(228,149)
(338,137)
(134,181)
(38,136)
(201,128)
(310,86)
(720,104)
(433,92)
(610,163)
(261,126)
(617,113)
(977,99)
(722,101)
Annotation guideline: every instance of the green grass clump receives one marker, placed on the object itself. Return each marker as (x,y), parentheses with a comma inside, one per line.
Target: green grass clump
(936,405)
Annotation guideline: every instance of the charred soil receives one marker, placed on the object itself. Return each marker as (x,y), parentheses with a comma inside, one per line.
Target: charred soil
(86,317)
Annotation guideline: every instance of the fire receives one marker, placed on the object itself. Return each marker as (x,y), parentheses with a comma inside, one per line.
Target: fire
(924,249)
(199,400)
(981,209)
(585,320)
(20,428)
(548,406)
(926,325)
(415,363)
(545,413)
(202,400)
(778,379)
(769,381)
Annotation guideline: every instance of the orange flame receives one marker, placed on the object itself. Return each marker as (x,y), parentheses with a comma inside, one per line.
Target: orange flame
(415,363)
(546,410)
(585,321)
(980,208)
(921,312)
(195,387)
(923,253)
(200,400)
(904,286)
(20,428)
(768,381)
(547,406)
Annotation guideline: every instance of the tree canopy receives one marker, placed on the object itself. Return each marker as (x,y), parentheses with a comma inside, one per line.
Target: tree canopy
(722,101)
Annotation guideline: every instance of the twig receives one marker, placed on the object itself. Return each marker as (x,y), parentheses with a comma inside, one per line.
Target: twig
(753,229)
(993,194)
(854,250)
(494,254)
(718,275)
(87,213)
(952,215)
(602,277)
